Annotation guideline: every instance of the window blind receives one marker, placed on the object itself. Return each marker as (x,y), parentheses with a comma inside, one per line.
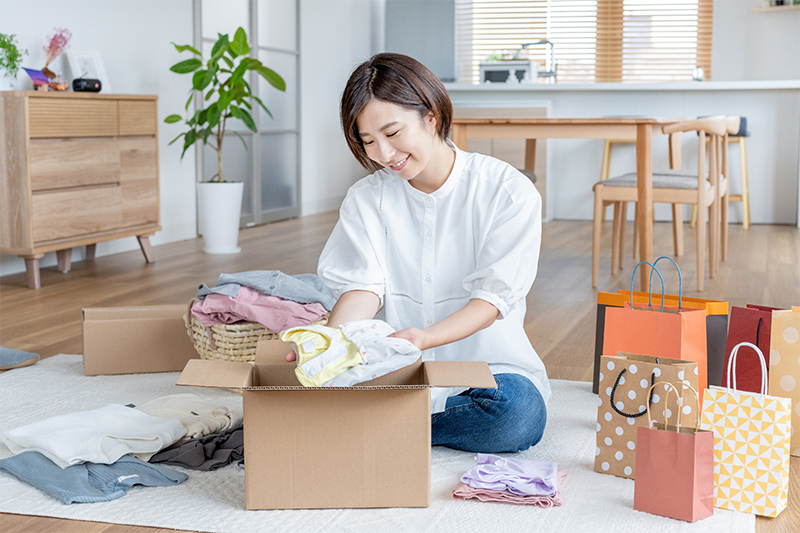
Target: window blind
(594,40)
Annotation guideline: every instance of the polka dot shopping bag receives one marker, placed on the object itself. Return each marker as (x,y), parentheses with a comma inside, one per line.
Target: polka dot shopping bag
(784,365)
(751,443)
(625,380)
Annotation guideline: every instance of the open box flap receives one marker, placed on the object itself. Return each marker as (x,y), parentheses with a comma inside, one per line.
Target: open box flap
(474,374)
(223,374)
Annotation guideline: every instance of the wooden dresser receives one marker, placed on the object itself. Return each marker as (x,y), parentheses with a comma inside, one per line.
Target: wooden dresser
(76,169)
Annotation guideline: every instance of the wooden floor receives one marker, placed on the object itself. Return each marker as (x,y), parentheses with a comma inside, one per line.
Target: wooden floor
(763,267)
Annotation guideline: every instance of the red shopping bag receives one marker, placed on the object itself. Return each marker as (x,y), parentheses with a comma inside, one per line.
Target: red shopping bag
(674,468)
(752,324)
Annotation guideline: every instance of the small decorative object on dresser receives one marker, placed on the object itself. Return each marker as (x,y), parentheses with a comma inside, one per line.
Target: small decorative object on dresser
(224,74)
(78,169)
(56,43)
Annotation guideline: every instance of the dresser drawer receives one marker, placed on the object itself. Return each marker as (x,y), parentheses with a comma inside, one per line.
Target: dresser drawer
(72,117)
(76,212)
(137,117)
(63,163)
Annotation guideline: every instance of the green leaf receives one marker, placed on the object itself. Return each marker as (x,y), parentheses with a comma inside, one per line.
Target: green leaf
(257,99)
(272,77)
(184,47)
(176,138)
(241,139)
(172,119)
(189,101)
(210,94)
(245,117)
(184,67)
(239,45)
(198,78)
(214,114)
(253,64)
(219,47)
(227,61)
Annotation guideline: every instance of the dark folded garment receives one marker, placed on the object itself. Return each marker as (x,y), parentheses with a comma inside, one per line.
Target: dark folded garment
(206,453)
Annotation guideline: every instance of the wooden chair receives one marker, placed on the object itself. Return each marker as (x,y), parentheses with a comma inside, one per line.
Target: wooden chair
(676,187)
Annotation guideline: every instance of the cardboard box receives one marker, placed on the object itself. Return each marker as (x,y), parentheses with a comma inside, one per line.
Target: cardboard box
(133,340)
(335,447)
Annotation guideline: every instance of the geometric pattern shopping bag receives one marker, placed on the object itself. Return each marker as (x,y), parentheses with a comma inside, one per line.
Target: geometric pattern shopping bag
(751,445)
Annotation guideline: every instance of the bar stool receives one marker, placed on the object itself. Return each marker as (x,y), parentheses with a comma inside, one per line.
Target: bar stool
(738,138)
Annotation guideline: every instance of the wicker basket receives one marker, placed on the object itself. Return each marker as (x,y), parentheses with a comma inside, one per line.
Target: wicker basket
(228,342)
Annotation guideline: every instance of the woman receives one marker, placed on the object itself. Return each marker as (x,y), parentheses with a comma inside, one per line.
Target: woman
(445,244)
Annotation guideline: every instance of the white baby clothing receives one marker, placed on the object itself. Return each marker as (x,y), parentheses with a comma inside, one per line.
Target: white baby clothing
(98,436)
(353,353)
(198,416)
(427,255)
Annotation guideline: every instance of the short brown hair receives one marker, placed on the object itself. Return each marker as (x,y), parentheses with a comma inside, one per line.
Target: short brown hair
(397,79)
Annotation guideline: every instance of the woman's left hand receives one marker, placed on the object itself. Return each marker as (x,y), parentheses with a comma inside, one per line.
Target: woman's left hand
(417,337)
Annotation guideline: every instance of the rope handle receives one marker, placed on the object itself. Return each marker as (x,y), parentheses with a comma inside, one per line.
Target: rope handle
(678,400)
(654,269)
(680,281)
(732,365)
(614,390)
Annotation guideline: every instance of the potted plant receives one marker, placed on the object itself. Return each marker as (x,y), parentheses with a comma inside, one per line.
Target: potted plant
(227,96)
(10,59)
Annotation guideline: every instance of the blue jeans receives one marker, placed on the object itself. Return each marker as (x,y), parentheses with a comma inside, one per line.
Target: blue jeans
(509,418)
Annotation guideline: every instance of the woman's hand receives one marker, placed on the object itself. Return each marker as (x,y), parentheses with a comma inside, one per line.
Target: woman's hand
(291,356)
(417,337)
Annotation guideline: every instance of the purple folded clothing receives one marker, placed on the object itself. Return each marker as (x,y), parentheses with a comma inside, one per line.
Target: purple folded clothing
(465,492)
(251,305)
(523,477)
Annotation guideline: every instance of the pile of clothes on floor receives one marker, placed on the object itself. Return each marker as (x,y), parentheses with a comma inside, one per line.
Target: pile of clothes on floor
(97,455)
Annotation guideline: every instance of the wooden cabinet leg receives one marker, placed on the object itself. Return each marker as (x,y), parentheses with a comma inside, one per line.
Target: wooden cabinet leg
(32,268)
(90,251)
(147,249)
(64,260)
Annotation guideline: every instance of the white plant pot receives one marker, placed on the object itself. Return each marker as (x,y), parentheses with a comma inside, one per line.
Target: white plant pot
(220,208)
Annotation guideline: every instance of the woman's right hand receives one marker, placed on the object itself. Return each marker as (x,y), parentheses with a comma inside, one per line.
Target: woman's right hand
(291,356)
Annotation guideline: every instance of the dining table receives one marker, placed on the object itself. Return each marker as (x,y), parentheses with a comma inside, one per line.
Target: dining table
(638,129)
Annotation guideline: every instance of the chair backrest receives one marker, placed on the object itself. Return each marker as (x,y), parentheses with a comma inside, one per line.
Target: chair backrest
(717,128)
(716,125)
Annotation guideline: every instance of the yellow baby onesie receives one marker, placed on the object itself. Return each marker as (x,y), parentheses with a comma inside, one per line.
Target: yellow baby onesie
(322,353)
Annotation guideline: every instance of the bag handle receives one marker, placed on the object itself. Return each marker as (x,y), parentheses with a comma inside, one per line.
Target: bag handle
(732,365)
(678,401)
(654,269)
(614,390)
(680,279)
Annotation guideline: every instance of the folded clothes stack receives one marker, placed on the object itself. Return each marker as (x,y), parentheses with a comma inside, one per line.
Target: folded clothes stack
(507,480)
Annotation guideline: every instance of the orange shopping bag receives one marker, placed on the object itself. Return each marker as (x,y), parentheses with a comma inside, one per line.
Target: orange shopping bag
(665,331)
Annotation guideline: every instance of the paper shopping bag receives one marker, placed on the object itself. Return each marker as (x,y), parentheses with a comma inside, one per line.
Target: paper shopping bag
(716,326)
(674,468)
(753,325)
(784,366)
(662,331)
(625,380)
(751,444)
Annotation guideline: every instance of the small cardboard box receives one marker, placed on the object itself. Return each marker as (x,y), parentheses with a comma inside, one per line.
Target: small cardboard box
(133,340)
(335,447)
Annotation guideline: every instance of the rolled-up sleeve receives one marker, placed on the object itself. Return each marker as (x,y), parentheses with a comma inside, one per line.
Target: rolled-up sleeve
(350,259)
(508,258)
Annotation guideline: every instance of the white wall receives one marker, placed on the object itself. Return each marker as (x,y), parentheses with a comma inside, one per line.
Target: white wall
(762,45)
(133,38)
(336,36)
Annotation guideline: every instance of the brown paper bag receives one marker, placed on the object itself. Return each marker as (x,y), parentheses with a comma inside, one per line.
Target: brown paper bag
(624,384)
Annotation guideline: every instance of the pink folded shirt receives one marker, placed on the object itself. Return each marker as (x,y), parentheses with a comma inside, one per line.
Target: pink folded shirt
(251,305)
(465,492)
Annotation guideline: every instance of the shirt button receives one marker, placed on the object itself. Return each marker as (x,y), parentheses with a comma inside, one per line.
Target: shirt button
(429,199)
(428,280)
(428,233)
(429,322)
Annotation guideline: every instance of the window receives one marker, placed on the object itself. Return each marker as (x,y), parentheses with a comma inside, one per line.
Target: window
(594,40)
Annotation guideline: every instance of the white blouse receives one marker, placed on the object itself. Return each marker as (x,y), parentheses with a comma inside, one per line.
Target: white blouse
(427,255)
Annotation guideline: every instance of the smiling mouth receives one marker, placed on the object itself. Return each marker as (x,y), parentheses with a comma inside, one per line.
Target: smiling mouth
(397,167)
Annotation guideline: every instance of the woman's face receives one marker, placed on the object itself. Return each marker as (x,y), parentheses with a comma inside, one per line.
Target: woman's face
(398,138)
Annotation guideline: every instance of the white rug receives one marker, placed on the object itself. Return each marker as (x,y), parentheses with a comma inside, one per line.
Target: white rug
(214,501)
